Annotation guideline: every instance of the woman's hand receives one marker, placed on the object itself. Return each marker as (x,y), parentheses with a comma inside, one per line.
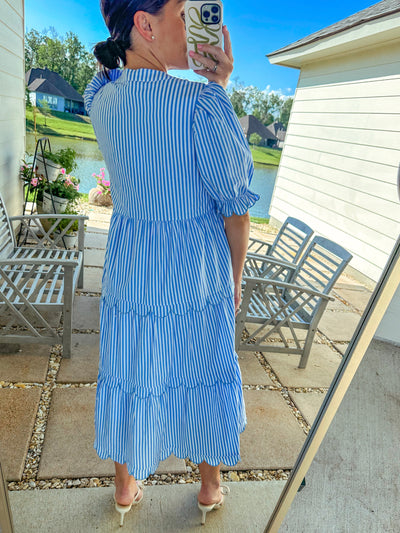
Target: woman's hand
(238,296)
(225,65)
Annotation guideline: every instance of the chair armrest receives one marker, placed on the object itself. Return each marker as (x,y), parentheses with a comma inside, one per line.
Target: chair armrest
(57,216)
(271,260)
(252,282)
(253,242)
(38,262)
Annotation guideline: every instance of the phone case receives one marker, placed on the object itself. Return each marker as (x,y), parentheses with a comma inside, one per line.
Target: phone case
(198,32)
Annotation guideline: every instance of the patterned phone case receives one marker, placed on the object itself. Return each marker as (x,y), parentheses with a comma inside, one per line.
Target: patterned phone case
(197,32)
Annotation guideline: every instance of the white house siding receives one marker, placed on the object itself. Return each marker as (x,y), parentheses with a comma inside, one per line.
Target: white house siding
(12,101)
(341,156)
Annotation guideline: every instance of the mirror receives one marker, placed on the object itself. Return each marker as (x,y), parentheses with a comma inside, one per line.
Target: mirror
(344,191)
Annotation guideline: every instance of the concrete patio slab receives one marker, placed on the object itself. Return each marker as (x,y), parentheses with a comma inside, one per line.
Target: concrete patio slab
(27,363)
(86,313)
(94,257)
(92,279)
(336,305)
(18,409)
(252,371)
(321,367)
(68,445)
(166,509)
(51,317)
(357,297)
(84,363)
(98,226)
(339,326)
(273,437)
(308,403)
(100,217)
(353,482)
(95,240)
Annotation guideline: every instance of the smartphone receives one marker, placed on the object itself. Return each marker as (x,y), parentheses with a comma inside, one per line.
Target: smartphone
(203,21)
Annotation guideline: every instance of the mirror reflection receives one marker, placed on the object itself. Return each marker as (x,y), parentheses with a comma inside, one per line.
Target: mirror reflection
(308,275)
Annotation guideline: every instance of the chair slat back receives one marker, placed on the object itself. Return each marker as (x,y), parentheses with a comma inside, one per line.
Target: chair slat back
(7,239)
(291,240)
(318,269)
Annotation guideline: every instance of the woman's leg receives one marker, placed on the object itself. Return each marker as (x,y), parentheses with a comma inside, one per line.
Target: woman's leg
(210,484)
(125,485)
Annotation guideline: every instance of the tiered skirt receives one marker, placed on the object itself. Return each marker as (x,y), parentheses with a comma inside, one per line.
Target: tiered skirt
(169,381)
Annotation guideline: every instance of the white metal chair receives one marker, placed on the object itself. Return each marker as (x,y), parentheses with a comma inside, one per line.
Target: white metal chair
(279,309)
(39,279)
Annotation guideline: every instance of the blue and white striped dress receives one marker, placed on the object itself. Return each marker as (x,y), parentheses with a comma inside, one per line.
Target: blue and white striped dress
(169,379)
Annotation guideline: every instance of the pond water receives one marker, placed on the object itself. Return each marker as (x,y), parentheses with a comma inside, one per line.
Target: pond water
(90,160)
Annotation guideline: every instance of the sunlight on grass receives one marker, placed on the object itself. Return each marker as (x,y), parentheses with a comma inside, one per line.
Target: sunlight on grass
(62,124)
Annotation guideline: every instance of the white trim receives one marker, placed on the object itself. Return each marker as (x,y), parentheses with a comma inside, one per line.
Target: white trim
(365,35)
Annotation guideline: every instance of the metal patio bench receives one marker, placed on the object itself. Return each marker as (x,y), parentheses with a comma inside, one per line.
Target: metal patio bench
(289,244)
(280,309)
(37,280)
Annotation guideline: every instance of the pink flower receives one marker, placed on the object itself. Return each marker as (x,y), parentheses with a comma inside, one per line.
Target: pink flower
(102,169)
(63,171)
(34,182)
(77,187)
(99,192)
(94,175)
(106,183)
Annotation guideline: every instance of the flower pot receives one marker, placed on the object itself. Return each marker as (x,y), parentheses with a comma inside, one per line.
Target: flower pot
(60,204)
(97,198)
(53,170)
(45,222)
(70,240)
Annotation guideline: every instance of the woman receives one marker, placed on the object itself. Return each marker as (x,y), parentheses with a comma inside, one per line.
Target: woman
(180,166)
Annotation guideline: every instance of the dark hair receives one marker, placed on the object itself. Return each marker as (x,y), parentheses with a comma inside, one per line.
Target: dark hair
(118,16)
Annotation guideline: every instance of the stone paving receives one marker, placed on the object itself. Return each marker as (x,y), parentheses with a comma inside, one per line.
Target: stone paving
(47,402)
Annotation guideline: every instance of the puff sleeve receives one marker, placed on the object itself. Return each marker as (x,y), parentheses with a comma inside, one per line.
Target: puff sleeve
(223,156)
(97,83)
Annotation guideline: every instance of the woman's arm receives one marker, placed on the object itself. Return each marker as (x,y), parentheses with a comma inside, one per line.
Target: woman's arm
(237,229)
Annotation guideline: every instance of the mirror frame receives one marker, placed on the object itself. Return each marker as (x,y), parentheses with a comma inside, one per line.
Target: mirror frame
(364,333)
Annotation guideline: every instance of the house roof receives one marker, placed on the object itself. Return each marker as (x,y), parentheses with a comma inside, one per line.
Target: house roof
(379,10)
(251,124)
(53,84)
(278,130)
(44,86)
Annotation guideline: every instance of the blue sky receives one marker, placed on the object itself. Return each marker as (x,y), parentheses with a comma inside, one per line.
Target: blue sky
(257,27)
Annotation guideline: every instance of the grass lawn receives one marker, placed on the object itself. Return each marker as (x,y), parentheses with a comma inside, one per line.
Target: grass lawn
(62,124)
(266,156)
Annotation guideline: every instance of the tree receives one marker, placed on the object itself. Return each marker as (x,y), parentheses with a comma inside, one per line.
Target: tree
(45,109)
(238,98)
(255,139)
(65,55)
(285,111)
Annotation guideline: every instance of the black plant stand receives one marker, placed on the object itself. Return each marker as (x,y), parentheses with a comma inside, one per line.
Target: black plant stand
(42,145)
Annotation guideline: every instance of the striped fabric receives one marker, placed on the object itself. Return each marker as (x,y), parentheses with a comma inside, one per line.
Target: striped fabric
(169,379)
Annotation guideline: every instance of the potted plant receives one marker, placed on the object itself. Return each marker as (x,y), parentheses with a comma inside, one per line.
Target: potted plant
(65,190)
(33,181)
(70,238)
(55,161)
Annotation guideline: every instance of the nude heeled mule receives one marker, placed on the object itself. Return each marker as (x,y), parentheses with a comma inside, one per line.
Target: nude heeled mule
(123,509)
(207,508)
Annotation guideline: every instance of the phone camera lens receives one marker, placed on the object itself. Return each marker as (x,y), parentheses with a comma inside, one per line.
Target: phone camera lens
(206,14)
(215,18)
(214,9)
